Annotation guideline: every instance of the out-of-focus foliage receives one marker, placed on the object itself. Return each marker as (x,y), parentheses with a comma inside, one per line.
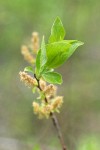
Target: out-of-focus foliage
(89,143)
(81,88)
(36,147)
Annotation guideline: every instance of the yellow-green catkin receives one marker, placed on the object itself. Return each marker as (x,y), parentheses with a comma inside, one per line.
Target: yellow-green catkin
(27,79)
(50,90)
(53,103)
(42,110)
(42,84)
(36,107)
(35,41)
(57,102)
(27,55)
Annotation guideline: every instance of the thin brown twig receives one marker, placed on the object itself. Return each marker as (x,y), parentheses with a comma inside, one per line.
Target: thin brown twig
(54,120)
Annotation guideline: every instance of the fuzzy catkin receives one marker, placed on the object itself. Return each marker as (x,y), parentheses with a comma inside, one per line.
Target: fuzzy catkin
(27,55)
(27,79)
(35,41)
(50,90)
(57,102)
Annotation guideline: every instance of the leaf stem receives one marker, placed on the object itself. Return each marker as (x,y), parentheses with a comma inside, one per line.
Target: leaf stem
(54,120)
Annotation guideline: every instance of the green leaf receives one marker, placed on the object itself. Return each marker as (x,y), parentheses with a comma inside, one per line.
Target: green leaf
(74,46)
(41,58)
(59,52)
(52,77)
(34,89)
(38,63)
(41,95)
(47,70)
(57,31)
(29,69)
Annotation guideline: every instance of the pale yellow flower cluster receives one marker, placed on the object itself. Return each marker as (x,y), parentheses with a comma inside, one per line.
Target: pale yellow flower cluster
(27,79)
(42,84)
(35,41)
(49,90)
(44,109)
(57,103)
(53,102)
(27,55)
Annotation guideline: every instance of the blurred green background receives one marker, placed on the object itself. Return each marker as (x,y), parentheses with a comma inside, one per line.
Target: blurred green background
(79,117)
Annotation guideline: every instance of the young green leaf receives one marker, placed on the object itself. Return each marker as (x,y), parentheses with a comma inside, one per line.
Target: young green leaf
(41,95)
(47,70)
(37,70)
(29,69)
(52,77)
(41,58)
(74,46)
(57,31)
(34,89)
(59,52)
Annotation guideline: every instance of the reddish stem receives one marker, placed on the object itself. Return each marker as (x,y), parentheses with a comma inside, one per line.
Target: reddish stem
(54,120)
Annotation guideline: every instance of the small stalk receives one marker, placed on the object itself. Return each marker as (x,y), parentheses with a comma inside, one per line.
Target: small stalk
(54,120)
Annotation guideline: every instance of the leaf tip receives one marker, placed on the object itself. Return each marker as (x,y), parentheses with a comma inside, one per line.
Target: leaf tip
(80,43)
(57,18)
(28,69)
(61,80)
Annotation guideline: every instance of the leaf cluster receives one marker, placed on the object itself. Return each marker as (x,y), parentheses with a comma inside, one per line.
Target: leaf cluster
(54,54)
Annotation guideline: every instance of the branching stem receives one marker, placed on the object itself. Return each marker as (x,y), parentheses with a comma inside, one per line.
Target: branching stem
(54,120)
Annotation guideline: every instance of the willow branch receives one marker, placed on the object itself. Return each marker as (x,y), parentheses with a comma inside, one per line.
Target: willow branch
(54,120)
